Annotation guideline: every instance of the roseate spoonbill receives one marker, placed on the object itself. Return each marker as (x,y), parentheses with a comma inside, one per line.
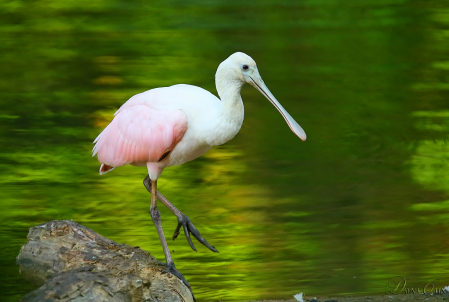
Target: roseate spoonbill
(169,126)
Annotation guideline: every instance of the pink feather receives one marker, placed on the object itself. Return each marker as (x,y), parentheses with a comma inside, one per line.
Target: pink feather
(139,134)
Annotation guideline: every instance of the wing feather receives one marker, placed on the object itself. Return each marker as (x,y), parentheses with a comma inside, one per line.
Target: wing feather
(139,133)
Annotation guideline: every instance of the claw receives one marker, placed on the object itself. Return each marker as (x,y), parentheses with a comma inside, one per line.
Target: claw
(187,233)
(172,269)
(176,233)
(189,228)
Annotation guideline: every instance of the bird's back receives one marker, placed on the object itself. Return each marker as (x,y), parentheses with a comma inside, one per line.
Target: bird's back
(187,98)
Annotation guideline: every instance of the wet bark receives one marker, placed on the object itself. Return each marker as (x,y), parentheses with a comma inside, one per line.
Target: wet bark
(73,263)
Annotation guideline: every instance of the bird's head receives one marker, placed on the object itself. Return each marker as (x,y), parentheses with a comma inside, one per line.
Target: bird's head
(238,69)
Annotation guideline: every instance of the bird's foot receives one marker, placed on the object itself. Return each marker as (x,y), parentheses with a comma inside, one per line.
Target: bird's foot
(172,269)
(189,228)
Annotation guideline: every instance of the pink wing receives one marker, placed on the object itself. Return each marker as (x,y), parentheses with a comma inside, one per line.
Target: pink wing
(139,134)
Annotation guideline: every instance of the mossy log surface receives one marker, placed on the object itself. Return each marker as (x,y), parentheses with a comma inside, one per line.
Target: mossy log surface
(73,263)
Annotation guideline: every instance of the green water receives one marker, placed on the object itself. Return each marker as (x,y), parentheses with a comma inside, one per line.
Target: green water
(365,198)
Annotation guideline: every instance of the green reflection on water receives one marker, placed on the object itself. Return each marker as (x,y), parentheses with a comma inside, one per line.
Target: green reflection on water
(365,198)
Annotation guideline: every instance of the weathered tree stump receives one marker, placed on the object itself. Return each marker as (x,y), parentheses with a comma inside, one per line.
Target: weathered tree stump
(76,264)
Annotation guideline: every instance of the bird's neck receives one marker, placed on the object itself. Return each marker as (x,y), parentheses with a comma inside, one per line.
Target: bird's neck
(230,117)
(229,92)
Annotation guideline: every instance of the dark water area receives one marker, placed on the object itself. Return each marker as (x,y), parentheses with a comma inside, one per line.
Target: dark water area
(364,199)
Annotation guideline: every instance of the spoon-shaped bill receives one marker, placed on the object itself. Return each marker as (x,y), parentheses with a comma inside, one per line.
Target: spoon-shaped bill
(294,126)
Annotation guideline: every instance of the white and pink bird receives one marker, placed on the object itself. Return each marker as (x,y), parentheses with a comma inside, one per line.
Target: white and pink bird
(169,126)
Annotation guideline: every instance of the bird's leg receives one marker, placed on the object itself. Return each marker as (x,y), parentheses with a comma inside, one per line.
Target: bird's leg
(183,220)
(156,216)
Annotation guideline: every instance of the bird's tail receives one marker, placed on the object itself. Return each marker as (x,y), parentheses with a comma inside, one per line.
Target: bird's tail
(105,169)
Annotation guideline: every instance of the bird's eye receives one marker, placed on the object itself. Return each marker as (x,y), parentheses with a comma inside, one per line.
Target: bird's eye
(245,67)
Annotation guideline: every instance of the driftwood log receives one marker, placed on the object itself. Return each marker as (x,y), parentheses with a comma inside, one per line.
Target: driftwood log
(73,263)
